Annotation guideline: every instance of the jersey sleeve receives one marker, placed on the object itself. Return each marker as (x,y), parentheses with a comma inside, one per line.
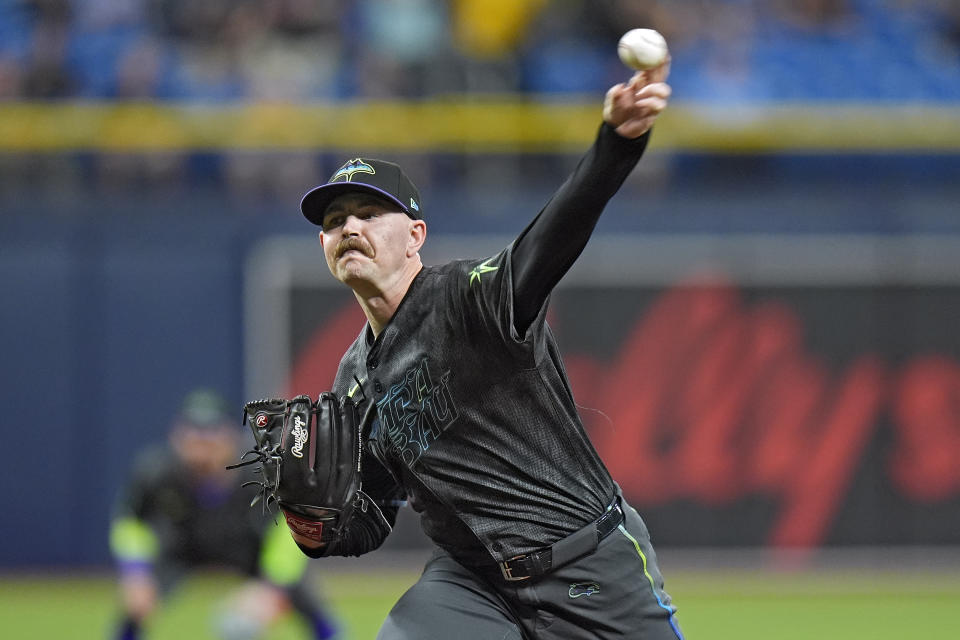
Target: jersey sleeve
(133,542)
(551,243)
(483,290)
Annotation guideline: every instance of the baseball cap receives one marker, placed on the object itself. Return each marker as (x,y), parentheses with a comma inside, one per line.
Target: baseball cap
(204,408)
(379,177)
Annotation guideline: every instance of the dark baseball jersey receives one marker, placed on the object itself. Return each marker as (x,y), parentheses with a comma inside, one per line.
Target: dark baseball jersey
(471,410)
(194,524)
(477,423)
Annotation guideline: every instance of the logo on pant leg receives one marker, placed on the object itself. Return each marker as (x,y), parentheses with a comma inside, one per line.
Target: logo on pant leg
(578,589)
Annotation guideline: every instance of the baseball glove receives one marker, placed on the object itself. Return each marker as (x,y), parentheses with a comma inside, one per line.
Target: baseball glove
(309,456)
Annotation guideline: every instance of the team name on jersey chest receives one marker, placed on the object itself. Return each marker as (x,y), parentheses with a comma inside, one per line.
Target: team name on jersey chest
(416,411)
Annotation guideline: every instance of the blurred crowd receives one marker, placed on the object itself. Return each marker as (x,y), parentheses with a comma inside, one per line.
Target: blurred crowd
(228,51)
(290,50)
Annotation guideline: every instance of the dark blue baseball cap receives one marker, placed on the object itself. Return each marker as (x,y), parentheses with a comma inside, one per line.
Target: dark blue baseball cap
(379,177)
(205,409)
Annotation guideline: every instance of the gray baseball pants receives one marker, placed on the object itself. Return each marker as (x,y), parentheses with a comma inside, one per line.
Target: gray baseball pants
(615,592)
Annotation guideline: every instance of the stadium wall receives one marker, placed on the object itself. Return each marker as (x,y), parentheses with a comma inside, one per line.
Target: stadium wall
(118,306)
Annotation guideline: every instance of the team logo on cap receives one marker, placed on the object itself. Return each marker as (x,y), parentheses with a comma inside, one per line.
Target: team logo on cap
(346,172)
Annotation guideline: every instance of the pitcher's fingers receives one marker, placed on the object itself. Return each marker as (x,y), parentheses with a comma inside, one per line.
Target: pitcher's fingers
(651,105)
(660,73)
(624,97)
(638,80)
(614,92)
(658,89)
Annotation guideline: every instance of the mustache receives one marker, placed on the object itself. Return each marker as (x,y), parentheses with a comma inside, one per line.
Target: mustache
(356,244)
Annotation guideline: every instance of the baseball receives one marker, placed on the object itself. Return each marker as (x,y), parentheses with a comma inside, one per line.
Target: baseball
(642,49)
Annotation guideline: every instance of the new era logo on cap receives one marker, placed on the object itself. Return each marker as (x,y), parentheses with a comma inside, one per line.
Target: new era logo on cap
(379,177)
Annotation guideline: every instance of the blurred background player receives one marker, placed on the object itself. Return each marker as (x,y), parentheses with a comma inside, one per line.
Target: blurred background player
(182,510)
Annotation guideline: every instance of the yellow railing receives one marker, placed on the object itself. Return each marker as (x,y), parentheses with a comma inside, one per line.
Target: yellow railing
(468,125)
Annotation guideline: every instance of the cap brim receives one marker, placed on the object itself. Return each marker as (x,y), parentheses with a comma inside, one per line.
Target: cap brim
(316,201)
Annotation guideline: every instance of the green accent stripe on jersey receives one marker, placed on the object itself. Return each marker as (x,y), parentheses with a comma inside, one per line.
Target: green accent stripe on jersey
(132,539)
(354,389)
(281,561)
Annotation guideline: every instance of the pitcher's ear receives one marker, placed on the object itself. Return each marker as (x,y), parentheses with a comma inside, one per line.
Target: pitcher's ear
(418,234)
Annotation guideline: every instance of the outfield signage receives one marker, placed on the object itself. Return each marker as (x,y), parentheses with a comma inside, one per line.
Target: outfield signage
(789,416)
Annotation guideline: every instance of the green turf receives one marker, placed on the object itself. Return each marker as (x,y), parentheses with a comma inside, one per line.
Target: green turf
(741,605)
(868,605)
(80,608)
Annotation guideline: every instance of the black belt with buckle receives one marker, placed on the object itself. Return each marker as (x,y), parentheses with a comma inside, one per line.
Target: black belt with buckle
(576,545)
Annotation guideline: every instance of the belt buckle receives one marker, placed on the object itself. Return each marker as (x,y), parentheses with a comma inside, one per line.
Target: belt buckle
(507,570)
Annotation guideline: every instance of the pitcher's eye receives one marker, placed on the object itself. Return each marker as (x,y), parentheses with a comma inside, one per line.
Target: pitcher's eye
(332,223)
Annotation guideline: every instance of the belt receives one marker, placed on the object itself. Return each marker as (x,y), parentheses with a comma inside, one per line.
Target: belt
(576,545)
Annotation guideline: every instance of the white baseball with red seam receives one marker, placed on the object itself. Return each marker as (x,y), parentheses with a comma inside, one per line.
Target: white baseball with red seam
(642,49)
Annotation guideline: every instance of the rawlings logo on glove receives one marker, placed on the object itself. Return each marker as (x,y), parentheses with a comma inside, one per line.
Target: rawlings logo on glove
(317,492)
(299,437)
